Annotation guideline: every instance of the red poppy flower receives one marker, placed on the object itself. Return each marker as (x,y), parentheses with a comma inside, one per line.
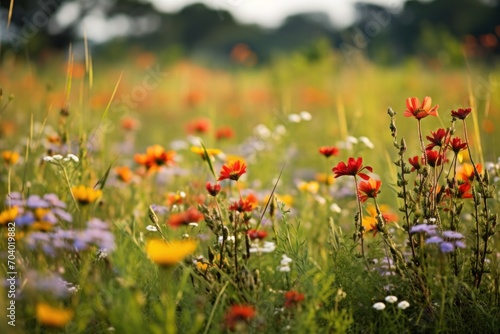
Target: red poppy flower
(257,234)
(184,218)
(213,189)
(415,162)
(198,126)
(419,111)
(129,124)
(354,167)
(434,158)
(224,132)
(438,138)
(244,205)
(461,113)
(457,145)
(232,170)
(238,314)
(292,298)
(368,189)
(328,151)
(464,191)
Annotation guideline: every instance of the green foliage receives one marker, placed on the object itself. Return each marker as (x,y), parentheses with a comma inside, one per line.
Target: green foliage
(312,275)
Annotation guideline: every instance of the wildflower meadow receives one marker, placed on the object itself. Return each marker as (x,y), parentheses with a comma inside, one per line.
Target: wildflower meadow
(159,196)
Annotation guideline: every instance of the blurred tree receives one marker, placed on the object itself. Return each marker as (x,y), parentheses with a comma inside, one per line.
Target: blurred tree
(429,29)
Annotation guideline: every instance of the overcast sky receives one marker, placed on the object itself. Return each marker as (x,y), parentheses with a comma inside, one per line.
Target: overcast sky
(270,13)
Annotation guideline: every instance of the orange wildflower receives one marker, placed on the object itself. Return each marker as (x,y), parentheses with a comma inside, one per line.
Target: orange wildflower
(419,111)
(10,157)
(232,170)
(185,218)
(238,315)
(124,174)
(155,157)
(368,189)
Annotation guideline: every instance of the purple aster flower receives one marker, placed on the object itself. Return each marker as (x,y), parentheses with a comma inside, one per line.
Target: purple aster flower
(96,223)
(27,219)
(447,247)
(35,201)
(14,199)
(52,283)
(452,235)
(159,209)
(434,240)
(424,228)
(54,201)
(63,215)
(460,244)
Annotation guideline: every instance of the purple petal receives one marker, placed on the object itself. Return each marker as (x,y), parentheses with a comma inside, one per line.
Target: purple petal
(452,235)
(34,201)
(434,240)
(447,247)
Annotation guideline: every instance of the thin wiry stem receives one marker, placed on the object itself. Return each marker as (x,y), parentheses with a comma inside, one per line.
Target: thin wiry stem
(359,223)
(422,147)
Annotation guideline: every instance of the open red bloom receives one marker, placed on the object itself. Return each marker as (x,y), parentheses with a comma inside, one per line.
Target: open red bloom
(368,189)
(184,218)
(199,126)
(353,167)
(328,151)
(461,113)
(292,298)
(438,138)
(244,205)
(232,170)
(238,314)
(155,157)
(457,145)
(434,158)
(224,132)
(419,111)
(257,234)
(464,191)
(415,162)
(213,189)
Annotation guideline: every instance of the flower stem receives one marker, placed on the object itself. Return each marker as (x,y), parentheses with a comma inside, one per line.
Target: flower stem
(359,222)
(421,141)
(68,183)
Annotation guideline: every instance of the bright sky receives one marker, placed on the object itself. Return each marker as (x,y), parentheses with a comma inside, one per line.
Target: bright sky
(270,13)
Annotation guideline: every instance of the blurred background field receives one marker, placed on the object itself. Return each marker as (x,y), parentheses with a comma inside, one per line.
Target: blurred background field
(107,79)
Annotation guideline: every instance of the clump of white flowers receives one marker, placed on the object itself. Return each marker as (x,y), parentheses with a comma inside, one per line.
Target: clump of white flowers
(59,159)
(379,306)
(403,305)
(285,264)
(391,299)
(303,116)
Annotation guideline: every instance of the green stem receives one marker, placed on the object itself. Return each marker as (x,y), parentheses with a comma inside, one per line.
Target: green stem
(68,183)
(359,223)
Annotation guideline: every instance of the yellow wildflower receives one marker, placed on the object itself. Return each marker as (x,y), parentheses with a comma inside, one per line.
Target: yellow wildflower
(212,152)
(169,254)
(85,195)
(53,316)
(8,215)
(311,187)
